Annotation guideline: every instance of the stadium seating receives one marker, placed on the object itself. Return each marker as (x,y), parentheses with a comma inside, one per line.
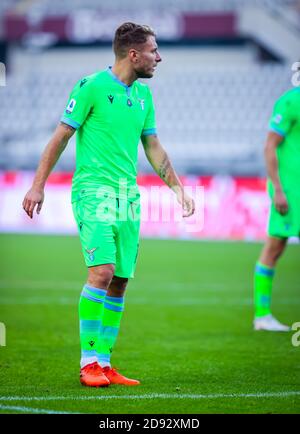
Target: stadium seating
(209,118)
(56,7)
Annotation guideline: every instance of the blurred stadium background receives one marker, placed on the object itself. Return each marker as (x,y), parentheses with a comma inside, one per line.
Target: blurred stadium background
(225,62)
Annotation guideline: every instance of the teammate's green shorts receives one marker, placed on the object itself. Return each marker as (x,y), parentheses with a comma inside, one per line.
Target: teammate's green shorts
(288,225)
(109,230)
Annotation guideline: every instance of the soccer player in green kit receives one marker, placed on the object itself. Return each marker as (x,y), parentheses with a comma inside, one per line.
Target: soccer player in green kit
(282,156)
(111,111)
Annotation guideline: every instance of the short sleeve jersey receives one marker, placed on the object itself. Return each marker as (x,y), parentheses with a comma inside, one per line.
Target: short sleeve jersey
(285,121)
(110,118)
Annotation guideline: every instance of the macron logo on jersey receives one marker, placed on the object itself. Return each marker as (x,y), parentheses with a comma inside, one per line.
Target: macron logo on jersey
(71,106)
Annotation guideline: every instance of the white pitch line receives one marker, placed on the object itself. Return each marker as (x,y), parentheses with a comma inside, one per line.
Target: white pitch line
(194,302)
(67,301)
(77,286)
(154,396)
(31,410)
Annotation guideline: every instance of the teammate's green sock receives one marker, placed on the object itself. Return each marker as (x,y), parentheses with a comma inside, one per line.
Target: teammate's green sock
(90,311)
(111,318)
(263,281)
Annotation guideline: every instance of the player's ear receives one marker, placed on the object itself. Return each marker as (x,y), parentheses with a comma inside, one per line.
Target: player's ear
(133,55)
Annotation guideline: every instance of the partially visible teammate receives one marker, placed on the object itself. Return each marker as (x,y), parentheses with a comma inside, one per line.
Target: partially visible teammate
(282,156)
(111,112)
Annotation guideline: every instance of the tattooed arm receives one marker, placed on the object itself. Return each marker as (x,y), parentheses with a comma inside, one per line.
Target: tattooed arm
(51,154)
(159,160)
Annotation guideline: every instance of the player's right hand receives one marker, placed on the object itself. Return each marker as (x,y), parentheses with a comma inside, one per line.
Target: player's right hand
(32,199)
(281,203)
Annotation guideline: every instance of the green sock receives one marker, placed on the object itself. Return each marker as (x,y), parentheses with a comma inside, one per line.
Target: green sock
(263,281)
(90,311)
(111,317)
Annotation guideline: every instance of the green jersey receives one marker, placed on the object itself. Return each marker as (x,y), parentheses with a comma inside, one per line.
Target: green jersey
(285,121)
(110,118)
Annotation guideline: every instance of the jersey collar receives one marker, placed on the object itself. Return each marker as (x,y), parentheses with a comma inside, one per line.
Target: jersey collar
(115,78)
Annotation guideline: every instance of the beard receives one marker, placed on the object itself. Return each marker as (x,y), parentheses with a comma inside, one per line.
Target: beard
(143,73)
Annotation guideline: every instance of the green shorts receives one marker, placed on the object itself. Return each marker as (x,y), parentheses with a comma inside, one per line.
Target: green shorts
(288,225)
(109,231)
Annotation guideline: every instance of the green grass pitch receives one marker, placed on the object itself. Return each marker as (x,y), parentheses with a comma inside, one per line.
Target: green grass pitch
(186,332)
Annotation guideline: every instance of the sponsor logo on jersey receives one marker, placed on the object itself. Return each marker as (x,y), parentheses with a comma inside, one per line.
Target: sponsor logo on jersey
(111,98)
(71,106)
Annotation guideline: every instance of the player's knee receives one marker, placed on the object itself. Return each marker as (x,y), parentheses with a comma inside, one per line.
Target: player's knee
(275,250)
(278,253)
(101,276)
(117,287)
(120,283)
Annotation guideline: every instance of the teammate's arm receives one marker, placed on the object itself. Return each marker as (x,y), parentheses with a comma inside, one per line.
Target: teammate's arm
(159,160)
(272,142)
(52,152)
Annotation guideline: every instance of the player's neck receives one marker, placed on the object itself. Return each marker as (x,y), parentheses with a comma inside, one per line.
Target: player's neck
(124,73)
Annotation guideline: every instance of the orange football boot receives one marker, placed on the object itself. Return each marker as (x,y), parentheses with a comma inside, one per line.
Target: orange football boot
(92,375)
(115,378)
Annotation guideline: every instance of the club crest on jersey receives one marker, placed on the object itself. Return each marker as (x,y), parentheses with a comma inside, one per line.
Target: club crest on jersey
(91,253)
(277,119)
(71,106)
(142,103)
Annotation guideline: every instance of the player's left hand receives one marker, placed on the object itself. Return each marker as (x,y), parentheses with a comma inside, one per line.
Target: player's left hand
(187,203)
(281,203)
